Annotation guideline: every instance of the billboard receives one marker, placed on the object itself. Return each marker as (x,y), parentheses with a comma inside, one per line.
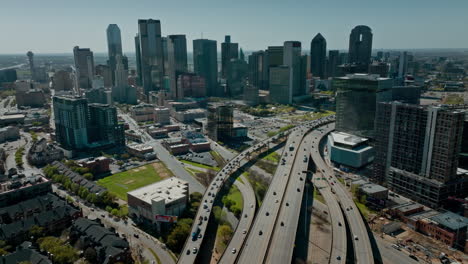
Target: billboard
(166,218)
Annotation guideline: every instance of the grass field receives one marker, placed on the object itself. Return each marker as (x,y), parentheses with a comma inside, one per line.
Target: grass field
(273,157)
(236,196)
(123,182)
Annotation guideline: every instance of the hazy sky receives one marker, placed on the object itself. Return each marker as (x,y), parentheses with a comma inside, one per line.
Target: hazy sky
(55,26)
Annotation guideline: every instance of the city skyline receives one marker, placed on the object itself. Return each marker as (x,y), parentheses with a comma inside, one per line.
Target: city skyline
(391,23)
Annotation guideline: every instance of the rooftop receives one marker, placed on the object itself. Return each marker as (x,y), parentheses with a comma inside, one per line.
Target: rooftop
(347,139)
(168,190)
(407,207)
(140,147)
(450,220)
(373,188)
(363,76)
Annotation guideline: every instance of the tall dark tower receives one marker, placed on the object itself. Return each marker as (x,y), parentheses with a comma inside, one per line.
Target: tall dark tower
(229,51)
(318,55)
(30,55)
(360,46)
(114,47)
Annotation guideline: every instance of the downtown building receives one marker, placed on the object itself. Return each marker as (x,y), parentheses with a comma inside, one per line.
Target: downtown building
(79,126)
(229,51)
(416,151)
(220,122)
(357,96)
(84,67)
(318,56)
(205,62)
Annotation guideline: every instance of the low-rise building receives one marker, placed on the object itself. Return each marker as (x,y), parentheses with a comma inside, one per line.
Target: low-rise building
(176,146)
(96,165)
(132,136)
(448,227)
(140,150)
(349,150)
(42,153)
(158,132)
(159,202)
(9,133)
(162,115)
(91,186)
(142,112)
(189,115)
(239,131)
(11,119)
(374,191)
(110,248)
(25,253)
(17,189)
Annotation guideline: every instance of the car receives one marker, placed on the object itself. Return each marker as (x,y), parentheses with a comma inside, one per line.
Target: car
(244,231)
(188,251)
(245,215)
(339,223)
(332,183)
(251,205)
(199,235)
(233,251)
(338,257)
(103,215)
(205,218)
(356,237)
(136,235)
(194,250)
(413,257)
(396,247)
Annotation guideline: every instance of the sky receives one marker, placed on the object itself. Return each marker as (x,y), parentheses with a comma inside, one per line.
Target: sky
(56,26)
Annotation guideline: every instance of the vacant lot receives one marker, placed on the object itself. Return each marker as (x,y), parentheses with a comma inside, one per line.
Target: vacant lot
(123,182)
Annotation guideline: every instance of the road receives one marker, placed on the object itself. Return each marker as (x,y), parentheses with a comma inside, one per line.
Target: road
(144,241)
(257,245)
(391,255)
(339,237)
(167,158)
(360,237)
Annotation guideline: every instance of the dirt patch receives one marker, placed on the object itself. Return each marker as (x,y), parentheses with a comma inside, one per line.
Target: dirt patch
(138,169)
(161,170)
(129,181)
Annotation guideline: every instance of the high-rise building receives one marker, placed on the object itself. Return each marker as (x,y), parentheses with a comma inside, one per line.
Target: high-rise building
(138,61)
(229,51)
(318,56)
(332,63)
(236,73)
(190,85)
(403,64)
(84,67)
(360,46)
(99,95)
(32,69)
(417,150)
(258,70)
(220,122)
(357,96)
(179,43)
(281,91)
(103,127)
(205,62)
(71,117)
(114,47)
(251,96)
(104,71)
(292,58)
(275,56)
(62,81)
(150,54)
(171,86)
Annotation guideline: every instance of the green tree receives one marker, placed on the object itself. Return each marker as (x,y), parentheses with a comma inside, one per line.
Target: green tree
(61,253)
(89,176)
(196,196)
(36,231)
(225,233)
(90,254)
(178,235)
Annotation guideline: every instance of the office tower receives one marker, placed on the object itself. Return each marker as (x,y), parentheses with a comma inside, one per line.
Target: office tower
(103,127)
(360,46)
(357,96)
(251,96)
(105,72)
(380,68)
(236,73)
(171,86)
(190,85)
(32,69)
(62,81)
(318,56)
(150,54)
(417,150)
(258,69)
(99,95)
(402,64)
(406,94)
(292,58)
(379,55)
(71,117)
(386,56)
(179,43)
(332,63)
(119,90)
(8,76)
(114,47)
(281,91)
(84,67)
(275,56)
(229,51)
(220,122)
(205,62)
(304,65)
(164,48)
(138,60)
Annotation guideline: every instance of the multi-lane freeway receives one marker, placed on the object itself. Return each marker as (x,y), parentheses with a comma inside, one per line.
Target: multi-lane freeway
(359,235)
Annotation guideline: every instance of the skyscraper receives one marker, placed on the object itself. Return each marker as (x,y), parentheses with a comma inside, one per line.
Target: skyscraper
(229,51)
(179,43)
(205,62)
(258,69)
(318,56)
(281,91)
(151,54)
(121,81)
(84,66)
(114,47)
(220,122)
(417,150)
(71,117)
(103,127)
(332,63)
(292,58)
(275,56)
(357,96)
(139,79)
(360,46)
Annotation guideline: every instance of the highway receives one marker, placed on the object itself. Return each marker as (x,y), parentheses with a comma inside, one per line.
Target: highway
(257,245)
(359,235)
(281,249)
(168,159)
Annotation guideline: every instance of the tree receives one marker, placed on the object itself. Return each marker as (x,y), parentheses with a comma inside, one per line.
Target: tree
(196,196)
(36,231)
(178,235)
(125,156)
(115,212)
(235,210)
(225,233)
(61,253)
(89,176)
(90,254)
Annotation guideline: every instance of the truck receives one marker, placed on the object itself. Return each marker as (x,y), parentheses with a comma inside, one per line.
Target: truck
(291,147)
(195,234)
